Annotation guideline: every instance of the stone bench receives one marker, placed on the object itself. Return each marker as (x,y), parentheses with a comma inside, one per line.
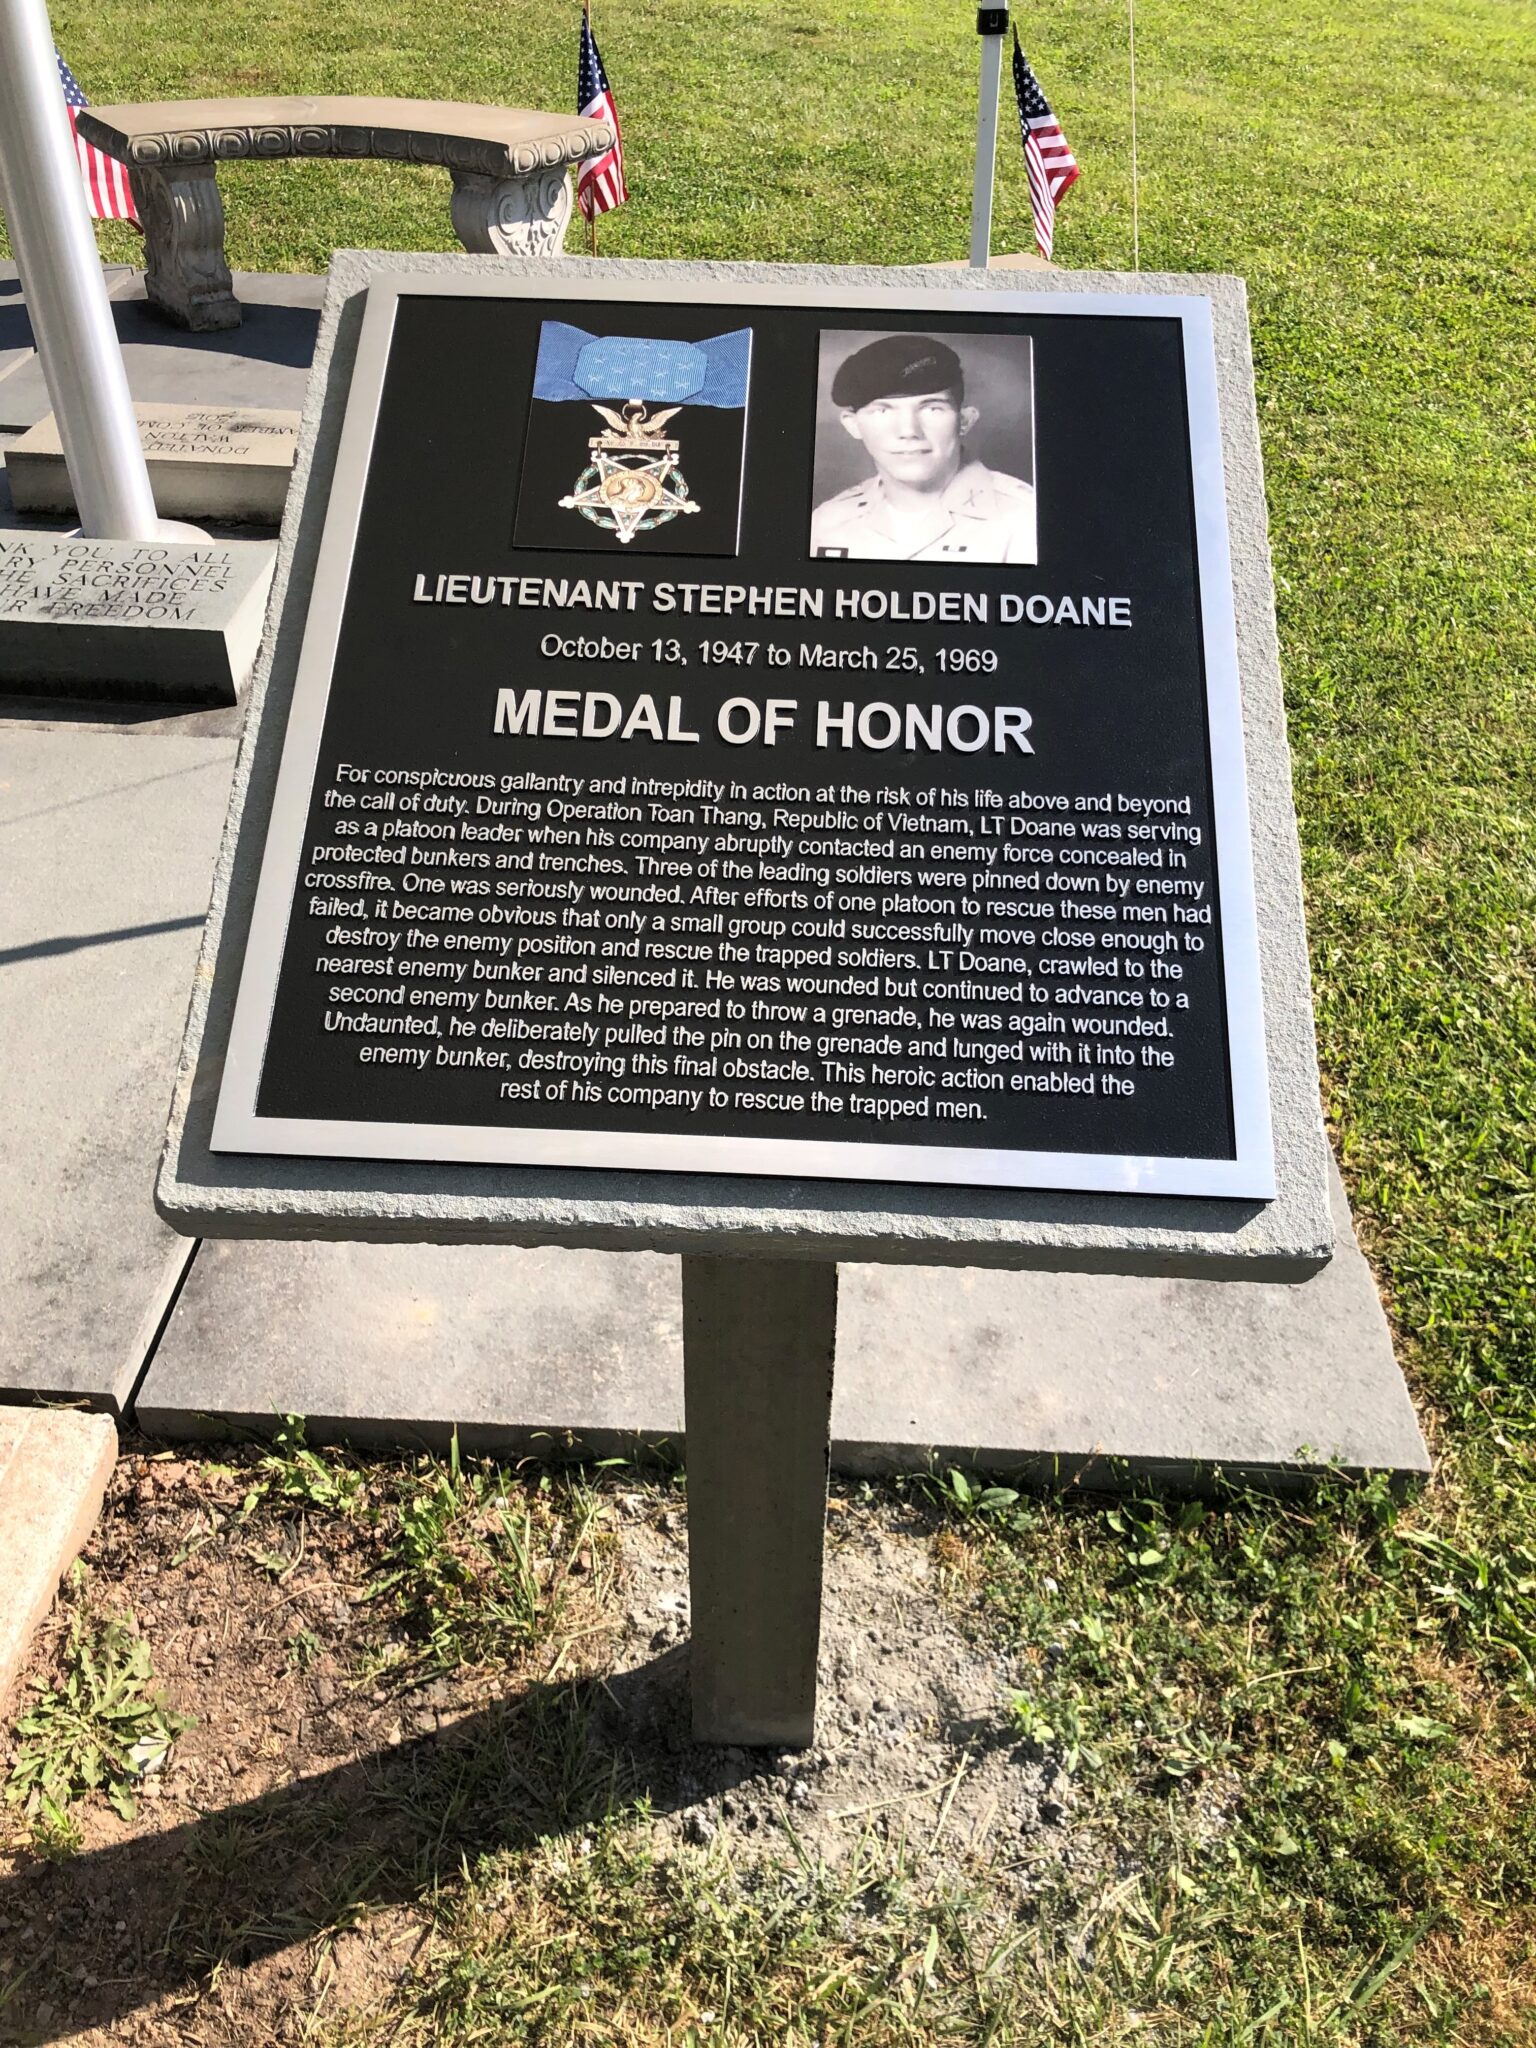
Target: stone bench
(510,195)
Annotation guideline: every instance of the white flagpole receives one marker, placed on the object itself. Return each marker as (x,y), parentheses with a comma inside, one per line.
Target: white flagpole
(991,26)
(586,14)
(66,293)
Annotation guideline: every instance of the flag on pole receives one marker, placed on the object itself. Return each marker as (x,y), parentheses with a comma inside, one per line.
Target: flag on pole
(600,182)
(107,190)
(1050,163)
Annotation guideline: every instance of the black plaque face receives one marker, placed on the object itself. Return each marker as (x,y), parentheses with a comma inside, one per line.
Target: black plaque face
(876,810)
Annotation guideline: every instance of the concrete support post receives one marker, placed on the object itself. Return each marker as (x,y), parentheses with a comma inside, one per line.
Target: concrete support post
(66,294)
(759,1337)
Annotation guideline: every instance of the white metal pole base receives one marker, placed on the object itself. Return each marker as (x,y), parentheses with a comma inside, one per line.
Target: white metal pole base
(991,26)
(165,529)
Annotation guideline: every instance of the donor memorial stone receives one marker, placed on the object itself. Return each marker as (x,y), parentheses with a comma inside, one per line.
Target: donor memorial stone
(228,463)
(780,766)
(172,619)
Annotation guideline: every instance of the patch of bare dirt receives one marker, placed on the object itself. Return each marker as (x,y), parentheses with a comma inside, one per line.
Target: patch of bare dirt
(914,1743)
(277,1866)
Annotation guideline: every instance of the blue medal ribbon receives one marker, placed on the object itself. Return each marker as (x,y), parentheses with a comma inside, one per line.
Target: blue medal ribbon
(575,365)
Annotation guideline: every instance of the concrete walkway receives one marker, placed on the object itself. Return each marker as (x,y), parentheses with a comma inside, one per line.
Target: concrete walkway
(106,846)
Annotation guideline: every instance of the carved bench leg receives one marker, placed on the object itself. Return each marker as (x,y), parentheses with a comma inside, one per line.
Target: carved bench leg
(511,216)
(182,216)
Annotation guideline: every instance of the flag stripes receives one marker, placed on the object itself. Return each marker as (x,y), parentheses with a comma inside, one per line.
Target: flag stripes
(1049,163)
(107,191)
(600,182)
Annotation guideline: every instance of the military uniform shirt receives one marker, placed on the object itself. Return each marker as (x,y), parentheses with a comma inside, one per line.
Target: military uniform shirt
(981,515)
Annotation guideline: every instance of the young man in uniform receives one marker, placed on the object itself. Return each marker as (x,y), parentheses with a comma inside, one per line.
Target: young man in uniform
(903,397)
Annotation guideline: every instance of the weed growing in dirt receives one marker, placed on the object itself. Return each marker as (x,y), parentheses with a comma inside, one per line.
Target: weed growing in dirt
(94,1728)
(480,1567)
(293,1470)
(972,1499)
(469,1563)
(305,1648)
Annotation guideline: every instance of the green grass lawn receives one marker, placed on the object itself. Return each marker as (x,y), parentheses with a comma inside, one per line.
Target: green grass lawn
(1366,1676)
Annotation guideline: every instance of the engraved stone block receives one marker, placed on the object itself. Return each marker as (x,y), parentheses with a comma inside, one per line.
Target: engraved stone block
(108,618)
(230,463)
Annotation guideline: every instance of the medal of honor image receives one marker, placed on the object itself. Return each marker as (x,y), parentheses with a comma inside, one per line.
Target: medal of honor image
(632,482)
(630,489)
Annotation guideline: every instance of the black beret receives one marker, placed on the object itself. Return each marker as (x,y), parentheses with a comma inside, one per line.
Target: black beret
(898,365)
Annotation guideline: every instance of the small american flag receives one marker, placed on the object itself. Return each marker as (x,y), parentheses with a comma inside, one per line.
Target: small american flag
(600,180)
(1050,163)
(106,180)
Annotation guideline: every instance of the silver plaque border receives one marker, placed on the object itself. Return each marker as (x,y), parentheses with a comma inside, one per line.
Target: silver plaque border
(1248,1174)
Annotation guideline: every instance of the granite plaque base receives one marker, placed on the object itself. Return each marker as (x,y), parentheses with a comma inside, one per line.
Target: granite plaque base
(403,1188)
(172,619)
(1058,1377)
(227,463)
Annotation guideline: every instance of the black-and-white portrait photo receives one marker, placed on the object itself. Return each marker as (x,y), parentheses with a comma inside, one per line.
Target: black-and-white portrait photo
(924,448)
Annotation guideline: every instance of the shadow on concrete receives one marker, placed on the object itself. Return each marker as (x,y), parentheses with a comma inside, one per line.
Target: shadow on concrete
(246,1881)
(15,327)
(266,334)
(113,789)
(78,942)
(263,362)
(117,715)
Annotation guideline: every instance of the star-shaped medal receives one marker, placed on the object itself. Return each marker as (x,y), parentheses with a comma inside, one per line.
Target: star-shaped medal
(633,482)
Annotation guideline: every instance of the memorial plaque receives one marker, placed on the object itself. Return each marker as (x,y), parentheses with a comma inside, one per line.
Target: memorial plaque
(750,763)
(769,730)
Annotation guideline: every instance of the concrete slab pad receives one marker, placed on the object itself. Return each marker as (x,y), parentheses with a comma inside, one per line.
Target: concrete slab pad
(54,1469)
(1051,1373)
(1039,1373)
(395,1344)
(106,846)
(264,362)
